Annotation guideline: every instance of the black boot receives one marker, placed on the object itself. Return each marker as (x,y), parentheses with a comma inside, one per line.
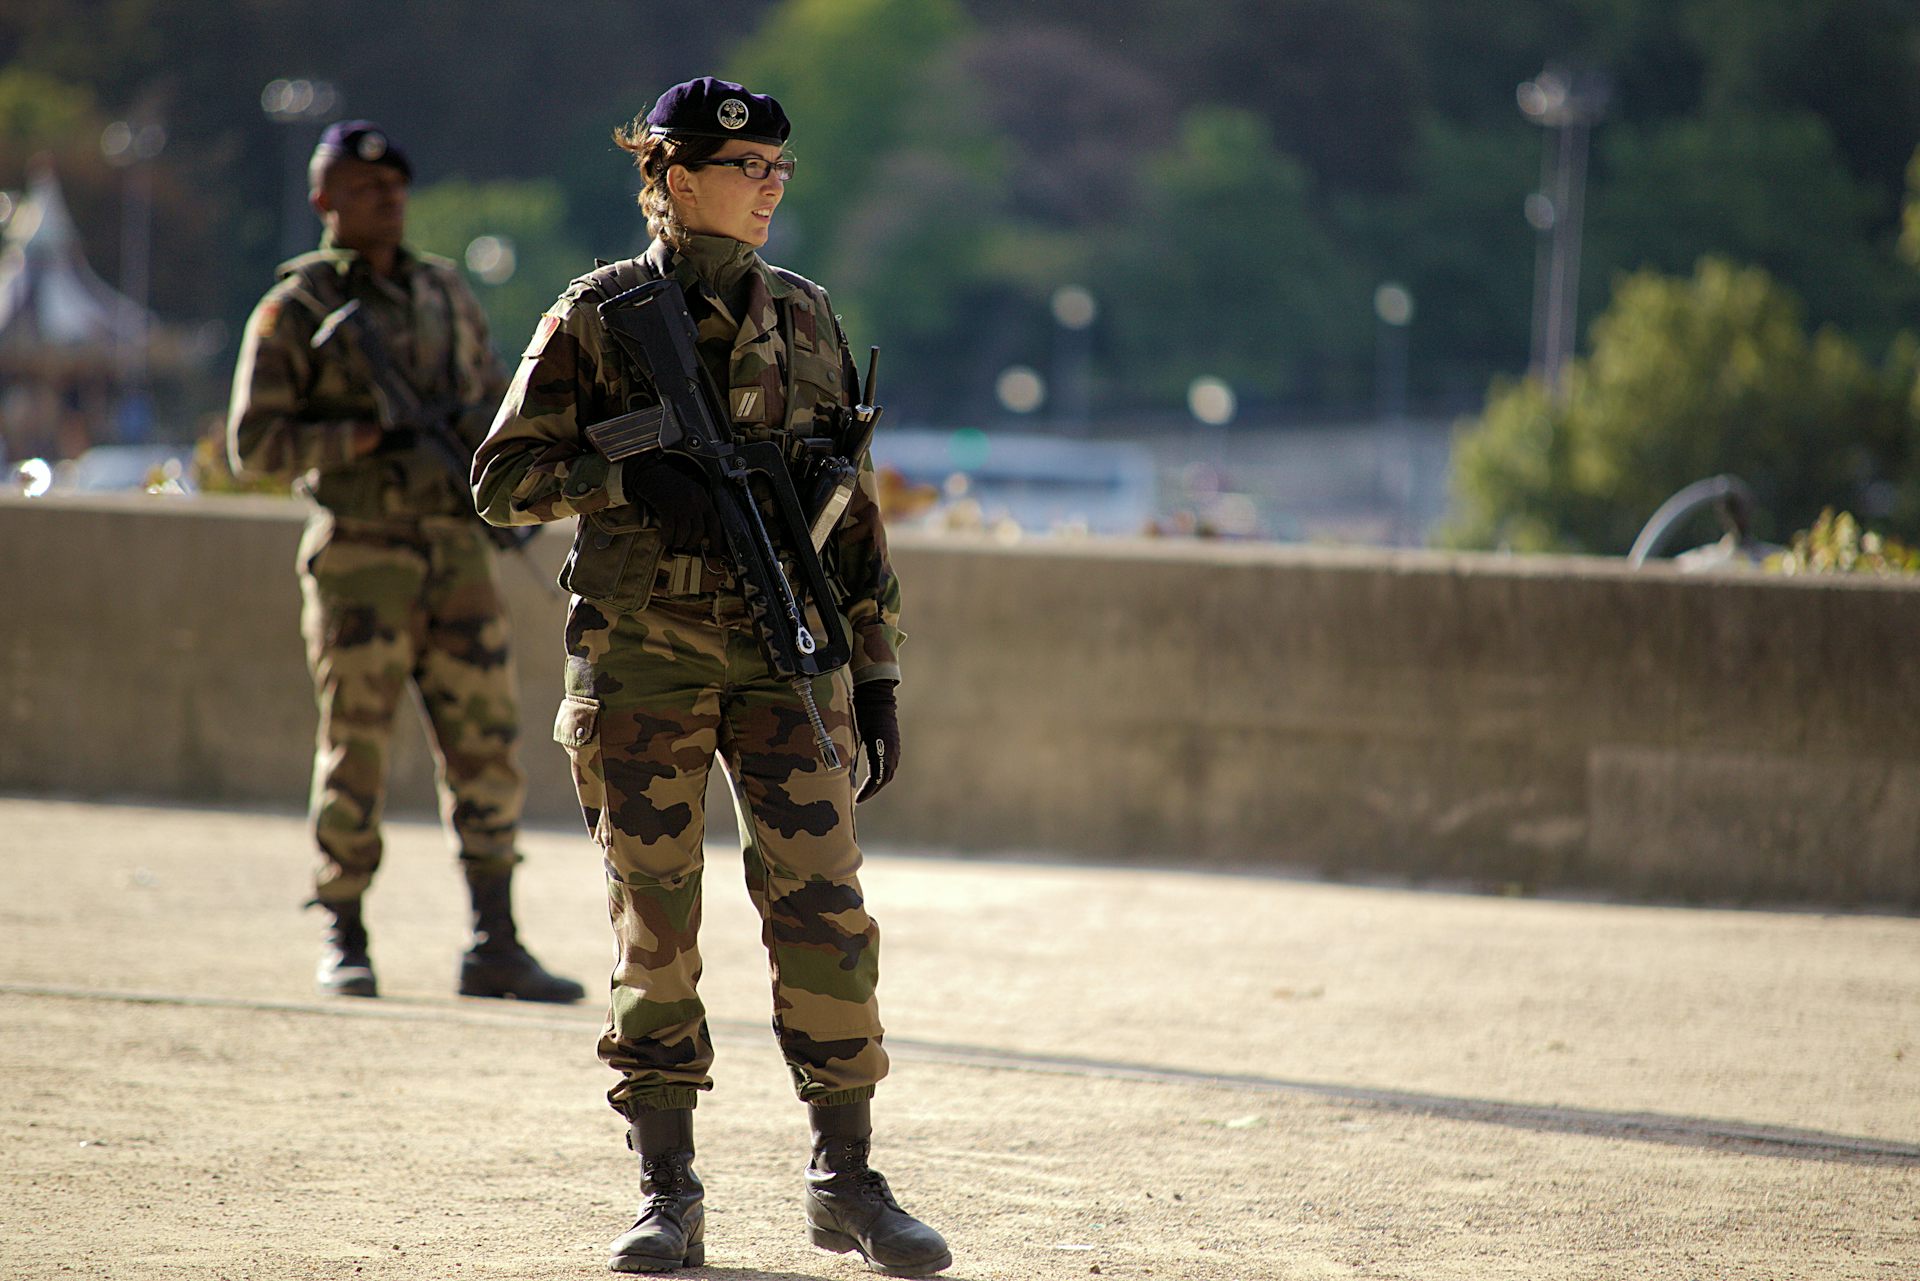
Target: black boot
(849,1206)
(496,964)
(344,968)
(671,1231)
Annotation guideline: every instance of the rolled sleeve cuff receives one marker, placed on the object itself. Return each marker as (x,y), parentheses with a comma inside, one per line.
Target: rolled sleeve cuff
(876,672)
(616,486)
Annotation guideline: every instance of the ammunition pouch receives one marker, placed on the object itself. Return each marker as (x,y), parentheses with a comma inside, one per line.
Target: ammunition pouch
(614,560)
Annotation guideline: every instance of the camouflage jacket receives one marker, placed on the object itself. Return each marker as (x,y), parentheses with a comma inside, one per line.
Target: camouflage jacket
(776,364)
(295,406)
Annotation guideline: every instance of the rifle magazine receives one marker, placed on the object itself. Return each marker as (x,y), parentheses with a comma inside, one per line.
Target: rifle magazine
(630,434)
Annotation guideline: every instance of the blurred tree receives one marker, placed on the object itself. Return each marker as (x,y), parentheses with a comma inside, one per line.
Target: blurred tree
(851,74)
(1768,189)
(1076,120)
(1227,271)
(1340,83)
(1688,378)
(1910,216)
(1853,63)
(965,156)
(1458,243)
(899,191)
(38,111)
(514,88)
(527,221)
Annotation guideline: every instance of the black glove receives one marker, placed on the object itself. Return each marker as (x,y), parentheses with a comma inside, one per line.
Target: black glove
(876,718)
(674,491)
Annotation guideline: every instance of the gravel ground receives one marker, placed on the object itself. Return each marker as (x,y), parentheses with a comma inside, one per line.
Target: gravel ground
(1097,1072)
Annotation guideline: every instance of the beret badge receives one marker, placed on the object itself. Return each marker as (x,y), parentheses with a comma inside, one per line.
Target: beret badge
(371,146)
(710,108)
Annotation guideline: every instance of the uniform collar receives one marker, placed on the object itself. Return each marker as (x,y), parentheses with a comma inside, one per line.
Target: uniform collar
(347,261)
(665,260)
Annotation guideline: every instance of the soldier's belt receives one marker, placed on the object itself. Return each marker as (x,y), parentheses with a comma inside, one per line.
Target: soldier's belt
(685,575)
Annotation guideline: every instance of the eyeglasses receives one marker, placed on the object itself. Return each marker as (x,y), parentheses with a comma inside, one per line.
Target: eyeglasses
(755,168)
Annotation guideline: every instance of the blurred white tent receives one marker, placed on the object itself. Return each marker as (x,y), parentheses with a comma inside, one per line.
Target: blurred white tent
(74,352)
(54,311)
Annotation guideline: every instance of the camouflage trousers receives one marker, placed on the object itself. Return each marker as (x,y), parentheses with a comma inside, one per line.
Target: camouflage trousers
(652,697)
(385,604)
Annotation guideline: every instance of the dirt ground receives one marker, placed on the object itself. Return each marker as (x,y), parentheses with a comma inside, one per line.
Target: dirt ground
(1097,1072)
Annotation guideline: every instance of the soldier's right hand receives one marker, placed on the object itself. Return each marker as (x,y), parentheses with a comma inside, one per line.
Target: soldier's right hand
(675,492)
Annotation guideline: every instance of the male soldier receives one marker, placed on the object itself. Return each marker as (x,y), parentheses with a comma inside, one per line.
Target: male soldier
(365,377)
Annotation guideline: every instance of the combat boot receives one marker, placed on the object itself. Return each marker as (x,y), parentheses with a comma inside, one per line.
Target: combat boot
(496,964)
(344,967)
(850,1207)
(671,1230)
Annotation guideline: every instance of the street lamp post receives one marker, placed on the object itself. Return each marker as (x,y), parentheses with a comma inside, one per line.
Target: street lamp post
(132,145)
(1074,311)
(297,105)
(1567,106)
(1393,309)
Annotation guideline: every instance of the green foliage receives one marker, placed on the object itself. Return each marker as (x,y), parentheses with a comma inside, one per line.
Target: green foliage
(1763,188)
(961,159)
(899,192)
(1455,243)
(1910,215)
(37,111)
(446,217)
(1227,271)
(212,471)
(1688,378)
(1836,544)
(1850,62)
(849,74)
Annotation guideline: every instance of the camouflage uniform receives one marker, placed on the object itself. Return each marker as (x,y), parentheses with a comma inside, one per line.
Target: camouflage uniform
(397,577)
(663,673)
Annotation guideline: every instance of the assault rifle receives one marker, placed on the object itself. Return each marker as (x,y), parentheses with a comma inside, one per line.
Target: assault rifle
(751,488)
(431,419)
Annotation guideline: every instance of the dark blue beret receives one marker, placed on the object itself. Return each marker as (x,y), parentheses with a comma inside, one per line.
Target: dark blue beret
(363,140)
(709,108)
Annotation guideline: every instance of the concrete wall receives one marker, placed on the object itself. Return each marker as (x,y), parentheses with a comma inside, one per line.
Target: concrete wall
(1536,723)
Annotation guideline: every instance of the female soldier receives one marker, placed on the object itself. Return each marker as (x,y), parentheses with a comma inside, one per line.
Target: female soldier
(663,672)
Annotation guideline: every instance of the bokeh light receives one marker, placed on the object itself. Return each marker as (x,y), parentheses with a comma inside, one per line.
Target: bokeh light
(1021,390)
(1211,401)
(492,259)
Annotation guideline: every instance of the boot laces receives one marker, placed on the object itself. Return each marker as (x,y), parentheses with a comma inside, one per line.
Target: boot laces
(873,1185)
(666,1175)
(850,1162)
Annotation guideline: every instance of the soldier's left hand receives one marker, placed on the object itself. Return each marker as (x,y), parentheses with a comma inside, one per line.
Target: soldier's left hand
(876,718)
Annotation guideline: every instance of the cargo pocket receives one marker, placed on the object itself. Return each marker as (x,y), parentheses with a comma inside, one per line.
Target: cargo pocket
(577,728)
(613,560)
